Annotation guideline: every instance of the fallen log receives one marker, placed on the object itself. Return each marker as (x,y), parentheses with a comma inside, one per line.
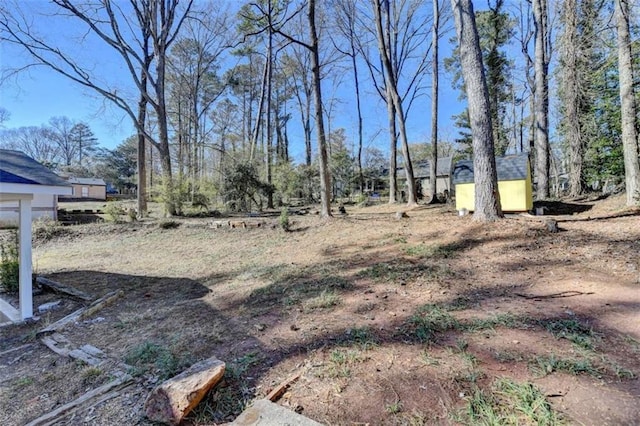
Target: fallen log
(57,287)
(66,409)
(81,313)
(61,323)
(172,400)
(103,302)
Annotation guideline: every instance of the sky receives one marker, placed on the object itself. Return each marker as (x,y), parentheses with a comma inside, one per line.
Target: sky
(34,96)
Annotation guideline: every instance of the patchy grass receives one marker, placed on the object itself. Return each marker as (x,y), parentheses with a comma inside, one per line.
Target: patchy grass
(428,321)
(340,361)
(362,337)
(574,331)
(509,403)
(507,320)
(543,365)
(326,299)
(152,358)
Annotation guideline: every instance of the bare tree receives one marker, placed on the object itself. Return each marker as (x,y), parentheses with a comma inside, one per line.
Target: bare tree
(487,205)
(382,13)
(34,141)
(60,128)
(347,26)
(433,164)
(114,24)
(540,18)
(407,37)
(628,104)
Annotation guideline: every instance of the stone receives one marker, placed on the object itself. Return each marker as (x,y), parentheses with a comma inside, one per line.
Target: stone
(265,413)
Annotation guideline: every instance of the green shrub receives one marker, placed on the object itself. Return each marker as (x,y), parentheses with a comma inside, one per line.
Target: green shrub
(284,219)
(114,212)
(9,265)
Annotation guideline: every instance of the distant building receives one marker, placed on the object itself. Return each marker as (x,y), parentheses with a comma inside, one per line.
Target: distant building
(514,183)
(90,188)
(422,176)
(23,178)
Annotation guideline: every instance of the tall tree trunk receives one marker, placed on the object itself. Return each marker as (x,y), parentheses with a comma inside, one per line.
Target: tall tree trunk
(541,99)
(359,110)
(256,130)
(433,166)
(628,104)
(325,177)
(385,54)
(269,106)
(142,165)
(571,93)
(393,150)
(487,205)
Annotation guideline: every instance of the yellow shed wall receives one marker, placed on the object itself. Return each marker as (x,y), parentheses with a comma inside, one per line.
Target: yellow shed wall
(465,196)
(515,195)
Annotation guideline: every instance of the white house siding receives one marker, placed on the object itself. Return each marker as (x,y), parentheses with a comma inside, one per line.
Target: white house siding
(42,206)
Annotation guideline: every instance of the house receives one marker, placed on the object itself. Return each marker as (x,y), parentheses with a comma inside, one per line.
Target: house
(91,188)
(514,183)
(422,176)
(22,181)
(17,168)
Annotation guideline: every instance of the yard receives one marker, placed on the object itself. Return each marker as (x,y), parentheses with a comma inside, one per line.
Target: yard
(430,319)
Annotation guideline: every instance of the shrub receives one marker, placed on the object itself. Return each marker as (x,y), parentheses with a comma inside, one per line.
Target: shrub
(284,219)
(9,265)
(114,212)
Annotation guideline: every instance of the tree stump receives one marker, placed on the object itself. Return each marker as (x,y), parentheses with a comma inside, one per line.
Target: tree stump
(171,401)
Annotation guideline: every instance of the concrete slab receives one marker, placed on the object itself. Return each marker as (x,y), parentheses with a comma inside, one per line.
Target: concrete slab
(8,314)
(266,413)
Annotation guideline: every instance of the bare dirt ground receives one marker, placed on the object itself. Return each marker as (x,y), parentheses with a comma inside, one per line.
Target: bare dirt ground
(414,321)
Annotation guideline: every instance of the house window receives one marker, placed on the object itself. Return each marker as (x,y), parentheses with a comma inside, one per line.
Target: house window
(85,191)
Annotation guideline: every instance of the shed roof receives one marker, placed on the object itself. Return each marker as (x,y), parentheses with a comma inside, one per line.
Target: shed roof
(86,181)
(16,167)
(509,167)
(421,168)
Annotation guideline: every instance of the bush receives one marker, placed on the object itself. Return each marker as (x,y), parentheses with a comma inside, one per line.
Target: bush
(9,265)
(114,212)
(284,219)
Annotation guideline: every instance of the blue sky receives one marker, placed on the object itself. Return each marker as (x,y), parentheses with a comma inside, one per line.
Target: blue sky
(34,96)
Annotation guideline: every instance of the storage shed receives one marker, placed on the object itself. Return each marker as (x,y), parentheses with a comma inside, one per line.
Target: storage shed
(91,188)
(21,180)
(514,183)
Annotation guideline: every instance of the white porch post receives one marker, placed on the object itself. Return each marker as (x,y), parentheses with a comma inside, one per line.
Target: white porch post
(26,293)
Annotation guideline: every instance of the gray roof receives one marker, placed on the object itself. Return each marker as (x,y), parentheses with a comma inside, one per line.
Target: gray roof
(421,168)
(509,167)
(86,181)
(16,167)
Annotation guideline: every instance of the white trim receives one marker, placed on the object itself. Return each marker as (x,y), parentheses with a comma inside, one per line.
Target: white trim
(9,189)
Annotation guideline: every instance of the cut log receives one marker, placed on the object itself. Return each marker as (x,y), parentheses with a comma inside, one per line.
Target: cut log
(171,401)
(57,287)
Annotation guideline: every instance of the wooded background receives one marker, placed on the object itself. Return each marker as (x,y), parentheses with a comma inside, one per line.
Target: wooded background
(218,86)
